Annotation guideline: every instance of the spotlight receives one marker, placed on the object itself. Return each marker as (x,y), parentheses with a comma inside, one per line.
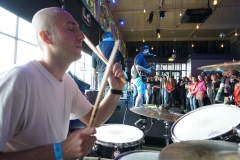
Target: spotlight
(192,45)
(158,33)
(197,27)
(121,21)
(143,40)
(221,35)
(180,14)
(152,48)
(235,33)
(162,14)
(222,45)
(150,17)
(215,2)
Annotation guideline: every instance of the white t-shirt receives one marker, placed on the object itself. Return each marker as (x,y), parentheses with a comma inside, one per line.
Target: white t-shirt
(35,108)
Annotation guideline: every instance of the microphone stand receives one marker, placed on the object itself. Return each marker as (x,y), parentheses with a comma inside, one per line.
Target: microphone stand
(156,61)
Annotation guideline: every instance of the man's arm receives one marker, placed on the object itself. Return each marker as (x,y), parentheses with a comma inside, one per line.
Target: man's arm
(77,145)
(147,70)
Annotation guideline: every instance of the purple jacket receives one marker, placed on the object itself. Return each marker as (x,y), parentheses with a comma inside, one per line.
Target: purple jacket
(202,86)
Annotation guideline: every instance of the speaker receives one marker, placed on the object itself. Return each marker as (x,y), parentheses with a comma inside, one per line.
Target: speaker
(155,135)
(119,113)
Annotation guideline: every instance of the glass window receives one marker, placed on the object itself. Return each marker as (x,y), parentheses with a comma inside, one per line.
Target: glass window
(184,66)
(72,67)
(8,22)
(163,66)
(170,66)
(177,66)
(27,52)
(25,31)
(79,70)
(6,52)
(184,74)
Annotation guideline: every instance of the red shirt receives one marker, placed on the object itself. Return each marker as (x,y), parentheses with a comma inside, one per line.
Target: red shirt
(193,87)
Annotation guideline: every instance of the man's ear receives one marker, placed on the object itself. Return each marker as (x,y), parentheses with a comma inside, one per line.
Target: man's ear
(45,38)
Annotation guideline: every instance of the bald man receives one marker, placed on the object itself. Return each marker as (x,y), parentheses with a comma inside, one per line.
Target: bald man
(38,99)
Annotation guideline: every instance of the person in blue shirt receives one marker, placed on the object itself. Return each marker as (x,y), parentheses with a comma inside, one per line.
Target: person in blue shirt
(141,68)
(98,66)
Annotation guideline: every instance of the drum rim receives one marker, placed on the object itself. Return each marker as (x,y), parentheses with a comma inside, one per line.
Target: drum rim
(135,151)
(175,139)
(123,144)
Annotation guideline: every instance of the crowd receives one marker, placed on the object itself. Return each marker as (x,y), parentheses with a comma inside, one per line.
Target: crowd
(193,91)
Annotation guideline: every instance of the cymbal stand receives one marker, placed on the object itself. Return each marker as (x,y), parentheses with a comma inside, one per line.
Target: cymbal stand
(167,135)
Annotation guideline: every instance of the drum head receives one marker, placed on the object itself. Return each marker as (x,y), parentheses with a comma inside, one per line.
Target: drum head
(139,155)
(118,133)
(206,122)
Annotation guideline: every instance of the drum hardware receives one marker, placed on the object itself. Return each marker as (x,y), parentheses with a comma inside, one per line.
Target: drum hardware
(139,155)
(201,150)
(113,139)
(156,113)
(167,135)
(236,130)
(222,66)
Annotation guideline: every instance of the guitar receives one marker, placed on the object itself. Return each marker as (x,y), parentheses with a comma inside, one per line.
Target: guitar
(143,74)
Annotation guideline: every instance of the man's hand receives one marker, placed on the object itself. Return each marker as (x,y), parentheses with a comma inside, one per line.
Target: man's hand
(79,143)
(114,77)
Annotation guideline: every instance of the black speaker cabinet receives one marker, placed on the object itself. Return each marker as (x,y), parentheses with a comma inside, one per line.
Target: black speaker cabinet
(119,113)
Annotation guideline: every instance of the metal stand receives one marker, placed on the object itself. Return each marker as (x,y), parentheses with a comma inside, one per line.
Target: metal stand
(167,135)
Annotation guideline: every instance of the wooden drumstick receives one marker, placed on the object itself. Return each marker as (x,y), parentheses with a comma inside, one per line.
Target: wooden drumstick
(104,81)
(100,55)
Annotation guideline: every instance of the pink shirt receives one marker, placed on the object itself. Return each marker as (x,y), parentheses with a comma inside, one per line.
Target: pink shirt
(202,86)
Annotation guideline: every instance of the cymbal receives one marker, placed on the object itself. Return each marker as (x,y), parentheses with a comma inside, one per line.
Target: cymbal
(156,113)
(222,66)
(201,150)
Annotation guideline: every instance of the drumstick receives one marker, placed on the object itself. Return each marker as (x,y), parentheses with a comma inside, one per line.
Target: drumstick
(104,81)
(100,55)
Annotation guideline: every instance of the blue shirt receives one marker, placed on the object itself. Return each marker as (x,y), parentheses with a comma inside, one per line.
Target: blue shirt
(141,61)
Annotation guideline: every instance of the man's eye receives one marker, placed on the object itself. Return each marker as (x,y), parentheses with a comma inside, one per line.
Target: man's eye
(71,29)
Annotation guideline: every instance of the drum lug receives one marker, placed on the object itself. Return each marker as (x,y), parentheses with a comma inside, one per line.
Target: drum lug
(95,148)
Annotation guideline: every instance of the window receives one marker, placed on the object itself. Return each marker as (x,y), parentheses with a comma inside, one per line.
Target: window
(8,22)
(21,48)
(25,31)
(6,52)
(26,52)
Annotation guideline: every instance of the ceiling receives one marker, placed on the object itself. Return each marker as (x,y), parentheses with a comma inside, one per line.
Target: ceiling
(136,28)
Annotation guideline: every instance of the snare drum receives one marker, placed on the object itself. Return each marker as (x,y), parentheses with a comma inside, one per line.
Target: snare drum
(139,155)
(211,122)
(113,139)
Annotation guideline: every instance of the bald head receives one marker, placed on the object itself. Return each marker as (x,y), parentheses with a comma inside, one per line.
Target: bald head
(44,20)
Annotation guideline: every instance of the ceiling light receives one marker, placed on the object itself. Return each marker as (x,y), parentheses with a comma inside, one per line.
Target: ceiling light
(132,29)
(221,35)
(215,2)
(152,48)
(197,27)
(144,10)
(158,33)
(174,39)
(180,14)
(143,40)
(162,14)
(192,45)
(222,45)
(121,21)
(170,59)
(136,50)
(235,33)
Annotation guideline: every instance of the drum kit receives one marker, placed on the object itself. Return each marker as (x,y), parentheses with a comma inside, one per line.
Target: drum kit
(207,133)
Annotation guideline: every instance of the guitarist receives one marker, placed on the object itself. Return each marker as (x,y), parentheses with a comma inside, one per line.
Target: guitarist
(140,70)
